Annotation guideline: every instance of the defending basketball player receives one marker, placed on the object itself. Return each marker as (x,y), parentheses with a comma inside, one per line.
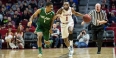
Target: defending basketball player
(67,25)
(44,24)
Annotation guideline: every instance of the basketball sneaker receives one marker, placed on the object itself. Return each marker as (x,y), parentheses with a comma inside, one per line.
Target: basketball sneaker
(48,45)
(71,51)
(40,56)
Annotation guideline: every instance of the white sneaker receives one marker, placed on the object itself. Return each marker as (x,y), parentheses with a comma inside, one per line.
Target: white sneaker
(71,51)
(40,56)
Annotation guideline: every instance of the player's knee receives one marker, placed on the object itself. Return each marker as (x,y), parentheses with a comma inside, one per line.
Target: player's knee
(65,40)
(70,32)
(70,29)
(39,35)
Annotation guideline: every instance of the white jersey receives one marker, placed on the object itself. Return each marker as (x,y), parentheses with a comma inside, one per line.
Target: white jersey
(66,16)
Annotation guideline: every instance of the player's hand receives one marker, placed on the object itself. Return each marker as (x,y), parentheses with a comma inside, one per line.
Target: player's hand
(50,31)
(58,15)
(47,42)
(29,23)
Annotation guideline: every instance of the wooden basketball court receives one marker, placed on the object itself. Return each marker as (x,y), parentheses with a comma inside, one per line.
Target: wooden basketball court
(59,53)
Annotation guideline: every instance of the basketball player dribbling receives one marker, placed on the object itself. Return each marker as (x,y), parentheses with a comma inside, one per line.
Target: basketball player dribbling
(67,25)
(44,24)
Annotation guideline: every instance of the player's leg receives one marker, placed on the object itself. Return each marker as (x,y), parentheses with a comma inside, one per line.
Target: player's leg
(39,42)
(46,38)
(70,30)
(65,34)
(100,40)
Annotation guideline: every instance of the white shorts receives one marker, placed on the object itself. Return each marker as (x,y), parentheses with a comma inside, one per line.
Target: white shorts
(64,29)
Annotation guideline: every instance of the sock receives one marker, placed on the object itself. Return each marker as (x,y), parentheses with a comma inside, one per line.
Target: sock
(40,50)
(71,43)
(68,48)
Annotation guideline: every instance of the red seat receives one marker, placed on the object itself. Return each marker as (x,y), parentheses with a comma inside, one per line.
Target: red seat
(14,30)
(113,25)
(3,31)
(110,28)
(31,30)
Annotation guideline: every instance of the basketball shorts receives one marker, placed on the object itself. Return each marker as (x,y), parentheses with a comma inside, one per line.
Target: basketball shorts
(65,29)
(45,31)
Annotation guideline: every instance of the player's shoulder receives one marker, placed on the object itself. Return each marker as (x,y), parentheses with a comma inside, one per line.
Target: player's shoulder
(42,8)
(52,12)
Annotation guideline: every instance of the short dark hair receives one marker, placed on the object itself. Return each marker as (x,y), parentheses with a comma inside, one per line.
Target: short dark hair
(49,3)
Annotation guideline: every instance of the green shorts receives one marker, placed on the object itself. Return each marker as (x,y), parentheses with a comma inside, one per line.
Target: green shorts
(45,32)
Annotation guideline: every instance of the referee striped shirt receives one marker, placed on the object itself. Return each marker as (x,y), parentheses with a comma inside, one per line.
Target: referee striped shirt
(97,16)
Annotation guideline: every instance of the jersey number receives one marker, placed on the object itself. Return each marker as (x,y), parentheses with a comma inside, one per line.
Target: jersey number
(66,18)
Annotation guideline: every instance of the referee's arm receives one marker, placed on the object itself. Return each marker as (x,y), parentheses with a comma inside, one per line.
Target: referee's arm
(104,19)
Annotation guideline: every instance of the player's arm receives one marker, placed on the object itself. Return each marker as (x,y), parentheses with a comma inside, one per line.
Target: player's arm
(76,13)
(56,16)
(59,11)
(35,15)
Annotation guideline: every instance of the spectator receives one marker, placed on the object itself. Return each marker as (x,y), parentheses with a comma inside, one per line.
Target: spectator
(3,11)
(16,19)
(112,2)
(33,4)
(7,13)
(112,19)
(55,35)
(26,1)
(22,8)
(0,4)
(113,9)
(11,12)
(25,5)
(16,12)
(19,12)
(10,2)
(1,18)
(8,38)
(105,9)
(41,3)
(5,20)
(10,25)
(3,6)
(7,6)
(72,4)
(14,6)
(25,15)
(83,38)
(58,25)
(31,10)
(19,37)
(10,20)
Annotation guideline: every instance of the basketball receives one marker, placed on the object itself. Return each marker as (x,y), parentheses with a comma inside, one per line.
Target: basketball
(86,18)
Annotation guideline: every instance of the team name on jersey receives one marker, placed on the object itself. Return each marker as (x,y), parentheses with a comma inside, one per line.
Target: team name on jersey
(66,14)
(46,18)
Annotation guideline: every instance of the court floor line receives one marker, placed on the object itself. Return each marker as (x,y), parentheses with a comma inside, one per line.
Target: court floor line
(113,49)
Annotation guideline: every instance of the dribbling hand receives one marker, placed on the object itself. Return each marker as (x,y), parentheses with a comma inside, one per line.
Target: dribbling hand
(29,24)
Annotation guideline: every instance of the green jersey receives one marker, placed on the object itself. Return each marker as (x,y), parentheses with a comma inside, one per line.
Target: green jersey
(45,19)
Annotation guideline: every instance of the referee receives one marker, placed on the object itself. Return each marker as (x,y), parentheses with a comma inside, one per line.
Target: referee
(99,18)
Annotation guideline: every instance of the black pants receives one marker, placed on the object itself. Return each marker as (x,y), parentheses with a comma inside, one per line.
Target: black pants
(97,35)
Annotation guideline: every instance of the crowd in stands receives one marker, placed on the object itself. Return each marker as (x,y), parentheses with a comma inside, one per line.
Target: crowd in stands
(15,14)
(109,6)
